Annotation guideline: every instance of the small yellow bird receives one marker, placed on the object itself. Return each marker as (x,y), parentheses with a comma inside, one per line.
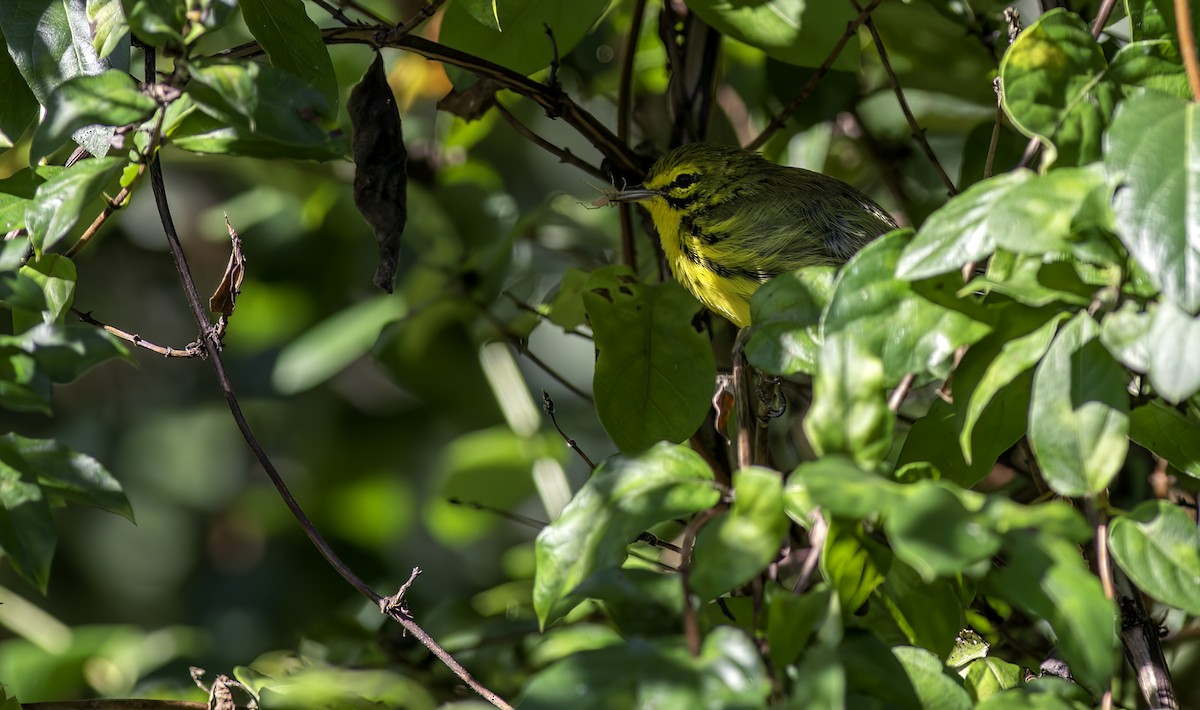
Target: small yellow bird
(730,220)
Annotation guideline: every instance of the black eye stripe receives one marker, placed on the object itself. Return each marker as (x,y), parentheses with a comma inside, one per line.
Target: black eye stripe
(685,179)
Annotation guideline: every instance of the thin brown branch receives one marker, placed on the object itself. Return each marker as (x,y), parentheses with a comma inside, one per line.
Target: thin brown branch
(507,515)
(556,103)
(625,88)
(211,345)
(364,11)
(691,624)
(901,392)
(563,155)
(817,533)
(918,133)
(811,85)
(117,704)
(530,309)
(991,154)
(191,350)
(1187,46)
(1102,17)
(418,19)
(548,408)
(335,13)
(519,343)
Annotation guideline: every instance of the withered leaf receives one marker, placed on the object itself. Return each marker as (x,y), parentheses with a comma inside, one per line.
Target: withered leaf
(224,299)
(381,173)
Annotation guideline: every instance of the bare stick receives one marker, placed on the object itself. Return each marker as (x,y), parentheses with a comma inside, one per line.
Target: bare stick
(418,19)
(781,118)
(918,132)
(625,88)
(530,309)
(512,517)
(366,12)
(335,13)
(816,541)
(691,625)
(901,392)
(118,704)
(548,408)
(563,155)
(191,350)
(1102,17)
(991,154)
(1187,46)
(519,343)
(211,345)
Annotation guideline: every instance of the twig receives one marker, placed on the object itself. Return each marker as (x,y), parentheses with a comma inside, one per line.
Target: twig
(691,625)
(751,434)
(816,542)
(548,408)
(563,155)
(1102,17)
(1143,647)
(367,12)
(556,103)
(212,348)
(901,392)
(1187,46)
(528,308)
(811,85)
(918,132)
(335,13)
(191,350)
(625,88)
(519,343)
(418,19)
(991,154)
(117,704)
(507,515)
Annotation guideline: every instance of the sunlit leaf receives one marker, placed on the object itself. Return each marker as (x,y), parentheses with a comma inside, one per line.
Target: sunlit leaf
(786,313)
(791,31)
(1169,434)
(58,203)
(849,413)
(1158,546)
(109,99)
(738,545)
(292,41)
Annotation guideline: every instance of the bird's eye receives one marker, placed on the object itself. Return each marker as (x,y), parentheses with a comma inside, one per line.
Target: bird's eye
(686,179)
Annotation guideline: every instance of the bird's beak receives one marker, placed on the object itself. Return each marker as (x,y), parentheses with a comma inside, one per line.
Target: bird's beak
(637,193)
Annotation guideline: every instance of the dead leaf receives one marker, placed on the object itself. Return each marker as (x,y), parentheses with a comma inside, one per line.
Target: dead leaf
(224,299)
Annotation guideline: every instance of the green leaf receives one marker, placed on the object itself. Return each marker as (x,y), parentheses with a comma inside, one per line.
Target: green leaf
(839,486)
(566,308)
(1169,434)
(1057,213)
(293,42)
(1002,424)
(624,496)
(639,602)
(59,202)
(50,41)
(1125,332)
(792,619)
(1153,64)
(23,387)
(989,676)
(55,275)
(995,363)
(1054,87)
(74,477)
(849,413)
(522,45)
(786,313)
(654,370)
(110,98)
(1046,578)
(936,686)
(895,319)
(158,23)
(939,532)
(21,293)
(791,31)
(15,193)
(1079,414)
(958,233)
(737,546)
(1174,368)
(853,563)
(19,107)
(109,28)
(930,614)
(27,534)
(1157,204)
(261,104)
(65,352)
(331,345)
(1158,546)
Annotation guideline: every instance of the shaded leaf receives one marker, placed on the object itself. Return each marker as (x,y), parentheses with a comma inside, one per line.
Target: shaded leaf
(380,174)
(738,545)
(849,413)
(65,352)
(72,476)
(1169,434)
(292,41)
(59,202)
(110,98)
(19,107)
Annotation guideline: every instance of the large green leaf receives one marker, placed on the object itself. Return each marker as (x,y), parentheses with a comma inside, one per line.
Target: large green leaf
(1158,546)
(1154,64)
(737,546)
(27,533)
(1057,213)
(1046,578)
(839,486)
(519,42)
(292,41)
(939,532)
(1079,414)
(936,685)
(19,107)
(786,313)
(624,496)
(849,413)
(50,41)
(1158,202)
(72,476)
(792,31)
(1169,434)
(1001,425)
(110,98)
(58,203)
(65,352)
(1054,87)
(654,370)
(894,319)
(930,614)
(853,563)
(654,673)
(55,275)
(1174,368)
